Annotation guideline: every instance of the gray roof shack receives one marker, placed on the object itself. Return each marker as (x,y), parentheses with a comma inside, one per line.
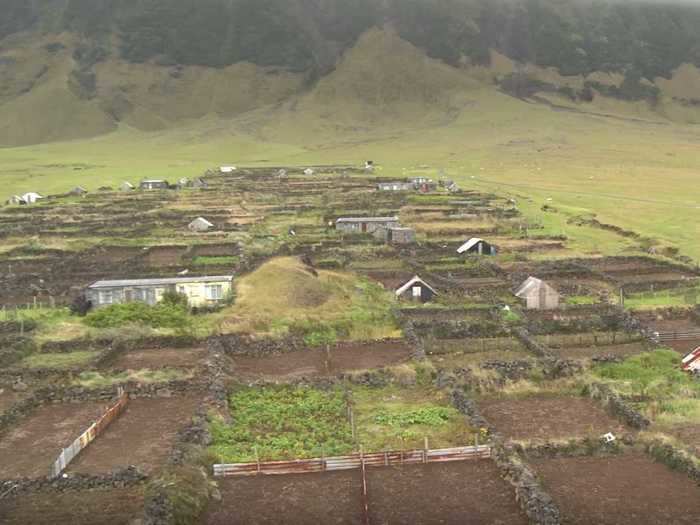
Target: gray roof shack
(126,186)
(154,184)
(397,235)
(199,290)
(78,190)
(200,224)
(538,295)
(416,290)
(476,246)
(395,186)
(365,224)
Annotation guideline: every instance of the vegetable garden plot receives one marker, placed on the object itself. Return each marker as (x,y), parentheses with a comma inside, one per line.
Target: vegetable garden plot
(142,436)
(592,351)
(546,417)
(629,489)
(29,448)
(156,358)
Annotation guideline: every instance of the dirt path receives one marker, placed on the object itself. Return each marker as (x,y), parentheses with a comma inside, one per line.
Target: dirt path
(30,447)
(142,436)
(621,490)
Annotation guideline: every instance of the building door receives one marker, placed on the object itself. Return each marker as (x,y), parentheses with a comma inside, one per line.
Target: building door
(417,293)
(364,227)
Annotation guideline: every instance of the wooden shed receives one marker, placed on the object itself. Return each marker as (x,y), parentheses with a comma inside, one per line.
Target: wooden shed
(395,235)
(416,289)
(476,246)
(154,184)
(538,295)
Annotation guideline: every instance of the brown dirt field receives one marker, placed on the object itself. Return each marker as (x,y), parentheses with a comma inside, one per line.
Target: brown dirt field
(449,493)
(312,362)
(683,347)
(142,436)
(333,498)
(215,250)
(110,254)
(672,325)
(89,507)
(660,277)
(457,490)
(587,352)
(621,490)
(29,448)
(164,255)
(159,358)
(542,417)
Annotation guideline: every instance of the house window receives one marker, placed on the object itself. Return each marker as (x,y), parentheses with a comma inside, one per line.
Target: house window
(181,290)
(106,297)
(416,292)
(214,292)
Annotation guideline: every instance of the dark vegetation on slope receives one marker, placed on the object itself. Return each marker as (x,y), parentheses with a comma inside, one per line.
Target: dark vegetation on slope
(642,39)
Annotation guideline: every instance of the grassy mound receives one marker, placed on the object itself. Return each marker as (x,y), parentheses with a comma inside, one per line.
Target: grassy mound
(285,296)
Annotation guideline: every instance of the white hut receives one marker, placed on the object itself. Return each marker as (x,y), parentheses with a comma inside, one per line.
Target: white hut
(200,224)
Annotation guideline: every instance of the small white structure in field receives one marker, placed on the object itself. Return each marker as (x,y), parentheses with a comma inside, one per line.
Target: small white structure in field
(31,197)
(691,362)
(200,224)
(538,295)
(126,186)
(308,172)
(15,200)
(78,190)
(227,169)
(609,437)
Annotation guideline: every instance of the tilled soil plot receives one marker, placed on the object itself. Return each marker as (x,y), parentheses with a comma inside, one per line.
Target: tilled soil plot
(159,358)
(629,489)
(449,493)
(548,417)
(683,346)
(164,255)
(88,507)
(589,352)
(315,362)
(142,436)
(29,448)
(301,499)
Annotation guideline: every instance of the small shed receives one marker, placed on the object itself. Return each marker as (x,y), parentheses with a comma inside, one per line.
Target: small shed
(416,290)
(199,184)
(308,172)
(78,190)
(227,169)
(476,246)
(538,295)
(183,183)
(200,224)
(691,362)
(282,173)
(369,165)
(126,186)
(395,186)
(365,224)
(154,184)
(396,235)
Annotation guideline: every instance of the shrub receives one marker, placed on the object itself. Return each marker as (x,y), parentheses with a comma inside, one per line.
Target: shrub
(162,315)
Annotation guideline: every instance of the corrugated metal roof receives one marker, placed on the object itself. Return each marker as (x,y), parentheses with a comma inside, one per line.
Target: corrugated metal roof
(469,244)
(415,280)
(368,219)
(160,281)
